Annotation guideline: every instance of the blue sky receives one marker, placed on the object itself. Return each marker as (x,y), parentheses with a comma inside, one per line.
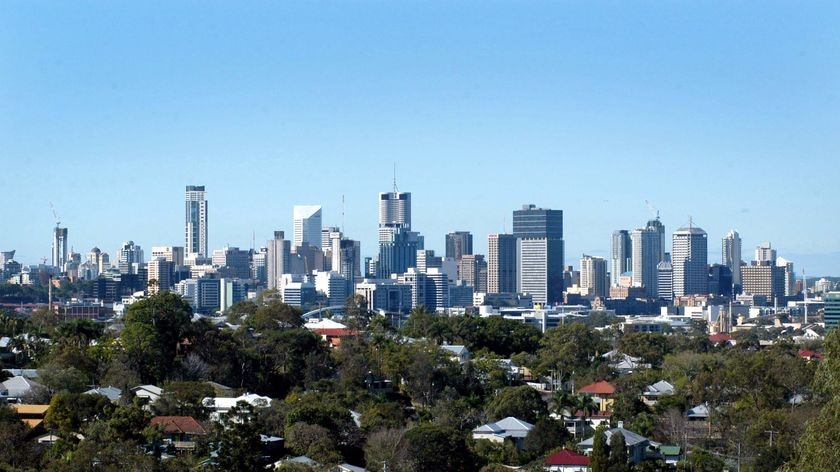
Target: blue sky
(726,112)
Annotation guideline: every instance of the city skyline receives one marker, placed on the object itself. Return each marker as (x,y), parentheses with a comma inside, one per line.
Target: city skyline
(717,112)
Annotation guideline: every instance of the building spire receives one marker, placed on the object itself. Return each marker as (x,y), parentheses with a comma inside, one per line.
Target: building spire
(395,177)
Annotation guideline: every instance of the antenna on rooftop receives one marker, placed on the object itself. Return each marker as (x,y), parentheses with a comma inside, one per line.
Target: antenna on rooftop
(342,208)
(395,177)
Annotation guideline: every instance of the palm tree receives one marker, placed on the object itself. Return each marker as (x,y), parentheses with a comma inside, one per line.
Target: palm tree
(562,400)
(586,404)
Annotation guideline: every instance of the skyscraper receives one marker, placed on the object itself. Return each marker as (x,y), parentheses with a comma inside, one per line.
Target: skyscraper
(307,225)
(665,280)
(59,248)
(621,257)
(731,255)
(196,221)
(656,225)
(159,270)
(690,261)
(399,252)
(539,253)
(459,244)
(277,259)
(764,252)
(593,276)
(646,246)
(501,263)
(128,255)
(470,268)
(394,213)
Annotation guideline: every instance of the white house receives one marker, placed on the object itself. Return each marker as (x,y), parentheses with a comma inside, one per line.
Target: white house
(219,406)
(459,353)
(507,428)
(149,392)
(660,389)
(13,389)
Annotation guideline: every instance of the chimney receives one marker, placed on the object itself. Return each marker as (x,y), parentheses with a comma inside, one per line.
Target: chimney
(621,424)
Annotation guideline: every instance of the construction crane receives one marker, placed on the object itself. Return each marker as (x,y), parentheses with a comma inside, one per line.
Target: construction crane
(652,209)
(55,214)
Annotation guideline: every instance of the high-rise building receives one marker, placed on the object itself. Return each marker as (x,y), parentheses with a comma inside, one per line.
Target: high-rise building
(233,263)
(399,252)
(656,225)
(459,244)
(129,256)
(159,270)
(307,226)
(539,253)
(196,221)
(665,280)
(764,278)
(832,310)
(426,259)
(645,244)
(394,213)
(689,258)
(470,268)
(277,259)
(790,277)
(621,257)
(501,263)
(720,280)
(59,248)
(593,276)
(346,259)
(173,254)
(731,255)
(764,252)
(259,265)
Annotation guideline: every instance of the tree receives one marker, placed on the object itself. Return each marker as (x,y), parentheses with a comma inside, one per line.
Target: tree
(547,434)
(239,442)
(387,446)
(432,447)
(599,460)
(314,441)
(153,328)
(68,412)
(651,347)
(569,347)
(522,402)
(618,454)
(274,315)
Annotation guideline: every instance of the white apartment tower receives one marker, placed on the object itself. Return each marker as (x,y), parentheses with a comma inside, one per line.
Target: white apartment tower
(593,276)
(394,213)
(277,259)
(731,255)
(646,249)
(196,221)
(306,225)
(690,262)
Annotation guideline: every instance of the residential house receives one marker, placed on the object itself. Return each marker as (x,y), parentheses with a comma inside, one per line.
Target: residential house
(566,461)
(331,331)
(659,389)
(637,445)
(17,388)
(149,392)
(602,393)
(112,393)
(348,468)
(670,454)
(581,423)
(180,431)
(458,352)
(624,364)
(32,415)
(222,405)
(810,355)
(721,338)
(509,428)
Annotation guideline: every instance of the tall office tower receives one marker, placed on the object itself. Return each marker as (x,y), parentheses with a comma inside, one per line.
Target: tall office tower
(59,248)
(832,310)
(501,263)
(437,289)
(539,253)
(129,255)
(720,280)
(593,276)
(326,237)
(277,259)
(394,213)
(689,258)
(645,244)
(621,257)
(764,252)
(657,226)
(307,225)
(346,259)
(233,262)
(259,267)
(333,285)
(731,255)
(766,279)
(665,281)
(399,252)
(159,270)
(469,269)
(173,254)
(426,260)
(196,221)
(790,277)
(459,244)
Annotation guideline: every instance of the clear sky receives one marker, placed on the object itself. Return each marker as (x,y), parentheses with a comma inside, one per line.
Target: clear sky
(726,112)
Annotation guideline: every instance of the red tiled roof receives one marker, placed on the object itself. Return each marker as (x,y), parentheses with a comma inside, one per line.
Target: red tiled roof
(720,338)
(335,331)
(601,387)
(179,424)
(808,354)
(597,414)
(565,457)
